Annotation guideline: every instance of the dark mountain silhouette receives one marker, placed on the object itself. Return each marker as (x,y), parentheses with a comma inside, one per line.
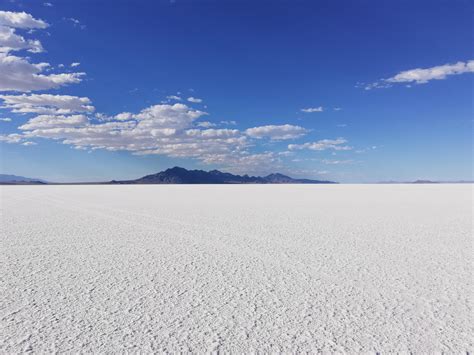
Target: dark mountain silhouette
(18,180)
(179,175)
(425,182)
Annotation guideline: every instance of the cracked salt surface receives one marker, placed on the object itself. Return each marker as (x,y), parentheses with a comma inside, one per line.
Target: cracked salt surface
(292,268)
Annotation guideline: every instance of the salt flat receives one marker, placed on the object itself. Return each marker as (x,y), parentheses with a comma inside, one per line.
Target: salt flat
(342,268)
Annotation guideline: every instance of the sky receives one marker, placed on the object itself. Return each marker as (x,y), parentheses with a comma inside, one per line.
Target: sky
(351,91)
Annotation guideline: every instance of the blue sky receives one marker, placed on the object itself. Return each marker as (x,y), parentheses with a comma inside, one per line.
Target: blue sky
(353,91)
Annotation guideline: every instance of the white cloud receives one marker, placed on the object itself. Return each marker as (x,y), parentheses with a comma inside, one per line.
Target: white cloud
(124,116)
(422,76)
(47,4)
(54,122)
(205,124)
(171,116)
(6,119)
(337,108)
(28,143)
(10,41)
(174,97)
(341,125)
(47,104)
(164,129)
(194,100)
(18,74)
(323,144)
(75,22)
(20,20)
(230,123)
(202,148)
(246,163)
(159,129)
(75,64)
(274,132)
(212,133)
(12,138)
(312,109)
(15,138)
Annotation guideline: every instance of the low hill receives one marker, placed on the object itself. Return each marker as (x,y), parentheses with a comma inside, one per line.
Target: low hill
(19,180)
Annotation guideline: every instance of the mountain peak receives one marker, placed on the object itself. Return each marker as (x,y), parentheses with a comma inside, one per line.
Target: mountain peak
(176,169)
(179,175)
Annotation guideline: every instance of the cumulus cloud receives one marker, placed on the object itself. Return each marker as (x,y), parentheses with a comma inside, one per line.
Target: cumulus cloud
(15,138)
(312,109)
(12,138)
(162,129)
(194,100)
(47,104)
(205,124)
(324,144)
(423,75)
(18,74)
(28,143)
(230,123)
(212,133)
(123,116)
(54,122)
(174,97)
(20,20)
(158,129)
(6,119)
(47,4)
(10,41)
(75,64)
(172,116)
(246,163)
(274,132)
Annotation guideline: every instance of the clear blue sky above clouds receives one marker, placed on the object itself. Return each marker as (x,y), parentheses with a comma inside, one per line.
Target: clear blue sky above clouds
(354,91)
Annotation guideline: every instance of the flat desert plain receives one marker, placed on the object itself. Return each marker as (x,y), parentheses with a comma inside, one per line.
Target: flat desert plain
(270,268)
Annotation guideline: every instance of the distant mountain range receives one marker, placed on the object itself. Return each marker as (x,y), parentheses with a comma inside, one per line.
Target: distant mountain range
(427,182)
(179,175)
(18,180)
